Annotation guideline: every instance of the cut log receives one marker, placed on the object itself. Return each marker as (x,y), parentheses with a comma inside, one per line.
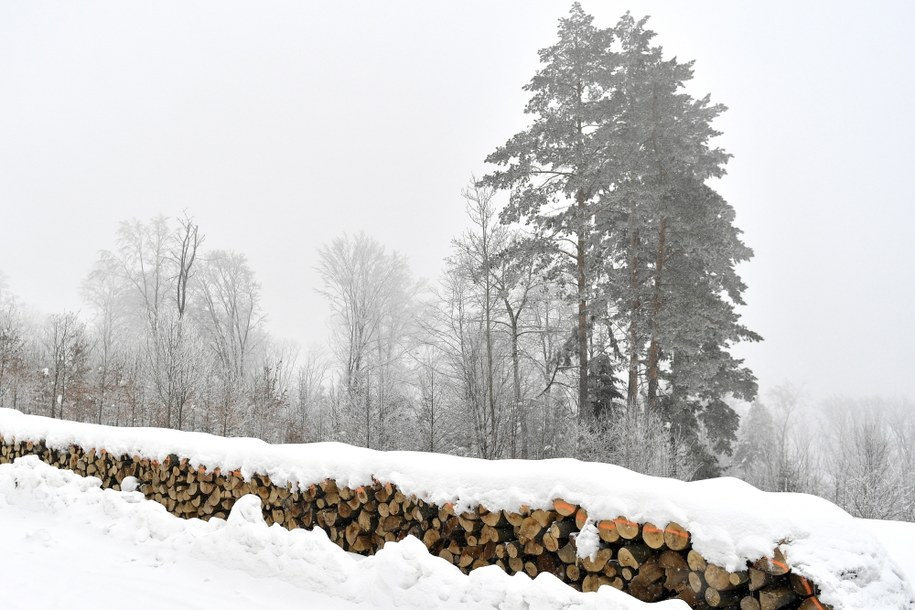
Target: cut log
(749,602)
(564,508)
(759,579)
(738,578)
(514,519)
(470,522)
(634,555)
(368,521)
(653,536)
(775,597)
(692,598)
(543,517)
(600,560)
(431,538)
(550,542)
(344,511)
(533,548)
(675,578)
(671,560)
(721,599)
(561,529)
(627,529)
(777,565)
(696,562)
(568,554)
(813,603)
(493,519)
(465,558)
(513,549)
(547,563)
(352,532)
(801,585)
(530,529)
(573,573)
(581,517)
(649,573)
(676,537)
(385,492)
(696,582)
(718,578)
(364,494)
(496,534)
(607,531)
(592,582)
(390,524)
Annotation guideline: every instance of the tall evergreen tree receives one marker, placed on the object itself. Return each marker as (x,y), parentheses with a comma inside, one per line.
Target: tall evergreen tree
(681,249)
(556,168)
(613,176)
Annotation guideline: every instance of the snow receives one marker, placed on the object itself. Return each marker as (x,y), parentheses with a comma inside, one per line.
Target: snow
(70,544)
(587,542)
(730,521)
(898,538)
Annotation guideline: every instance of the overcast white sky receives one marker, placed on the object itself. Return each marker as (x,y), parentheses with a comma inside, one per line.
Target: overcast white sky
(280,125)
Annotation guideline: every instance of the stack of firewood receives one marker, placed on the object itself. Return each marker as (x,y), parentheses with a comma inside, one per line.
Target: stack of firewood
(648,561)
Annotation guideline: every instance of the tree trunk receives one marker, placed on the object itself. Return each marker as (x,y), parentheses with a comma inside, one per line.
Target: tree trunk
(654,351)
(635,306)
(490,389)
(584,406)
(516,380)
(432,410)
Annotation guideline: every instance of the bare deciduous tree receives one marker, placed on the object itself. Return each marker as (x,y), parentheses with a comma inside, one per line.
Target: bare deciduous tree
(231,321)
(12,347)
(312,420)
(370,292)
(67,357)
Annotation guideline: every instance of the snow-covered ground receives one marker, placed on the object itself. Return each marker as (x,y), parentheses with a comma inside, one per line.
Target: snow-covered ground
(66,543)
(898,538)
(730,522)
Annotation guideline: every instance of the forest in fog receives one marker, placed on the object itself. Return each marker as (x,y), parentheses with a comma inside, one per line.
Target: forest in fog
(589,311)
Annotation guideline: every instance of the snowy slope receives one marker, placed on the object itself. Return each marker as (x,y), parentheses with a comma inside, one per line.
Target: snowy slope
(69,544)
(731,522)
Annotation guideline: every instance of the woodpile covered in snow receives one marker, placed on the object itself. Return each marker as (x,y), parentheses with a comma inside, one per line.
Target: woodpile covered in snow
(651,561)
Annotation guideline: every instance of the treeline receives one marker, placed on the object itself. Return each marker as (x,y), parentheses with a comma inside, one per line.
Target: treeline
(172,334)
(169,337)
(858,453)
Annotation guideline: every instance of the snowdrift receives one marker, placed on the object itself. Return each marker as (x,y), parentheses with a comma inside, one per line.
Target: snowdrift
(730,524)
(49,517)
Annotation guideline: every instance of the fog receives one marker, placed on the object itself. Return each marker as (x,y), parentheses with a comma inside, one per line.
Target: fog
(280,127)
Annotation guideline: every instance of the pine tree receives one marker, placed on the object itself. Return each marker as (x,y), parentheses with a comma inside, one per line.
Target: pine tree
(615,165)
(556,168)
(674,248)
